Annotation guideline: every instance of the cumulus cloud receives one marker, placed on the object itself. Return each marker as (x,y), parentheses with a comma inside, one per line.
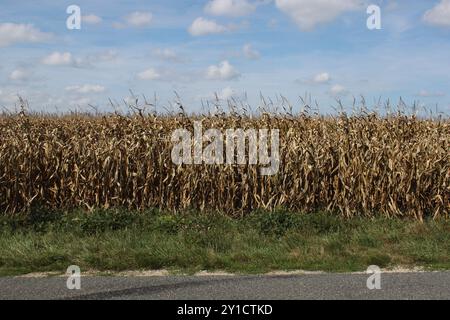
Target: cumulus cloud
(86,88)
(226,93)
(80,101)
(91,19)
(323,77)
(308,14)
(19,75)
(223,71)
(87,61)
(320,78)
(12,33)
(149,74)
(429,94)
(250,53)
(338,90)
(139,19)
(59,59)
(202,26)
(439,15)
(231,8)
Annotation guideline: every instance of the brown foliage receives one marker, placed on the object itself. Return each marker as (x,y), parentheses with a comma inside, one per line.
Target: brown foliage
(359,165)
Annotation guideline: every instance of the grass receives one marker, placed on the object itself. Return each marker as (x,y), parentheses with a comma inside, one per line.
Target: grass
(117,240)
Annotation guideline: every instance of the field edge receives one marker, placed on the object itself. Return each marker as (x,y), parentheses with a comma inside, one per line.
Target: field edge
(118,240)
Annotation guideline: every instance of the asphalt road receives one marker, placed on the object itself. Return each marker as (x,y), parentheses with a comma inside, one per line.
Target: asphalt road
(435,285)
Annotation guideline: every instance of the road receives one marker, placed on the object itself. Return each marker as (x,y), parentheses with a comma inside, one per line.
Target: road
(434,285)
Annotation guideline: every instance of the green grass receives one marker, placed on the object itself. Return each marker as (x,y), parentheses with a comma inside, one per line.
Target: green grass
(117,240)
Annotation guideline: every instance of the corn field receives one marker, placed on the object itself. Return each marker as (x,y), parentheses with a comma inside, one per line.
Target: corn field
(360,165)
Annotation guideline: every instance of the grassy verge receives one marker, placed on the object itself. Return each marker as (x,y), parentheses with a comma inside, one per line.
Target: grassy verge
(119,240)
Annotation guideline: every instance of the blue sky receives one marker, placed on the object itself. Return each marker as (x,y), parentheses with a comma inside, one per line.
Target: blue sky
(230,47)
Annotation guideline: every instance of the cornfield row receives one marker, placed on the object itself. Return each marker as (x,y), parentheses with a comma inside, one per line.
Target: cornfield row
(359,165)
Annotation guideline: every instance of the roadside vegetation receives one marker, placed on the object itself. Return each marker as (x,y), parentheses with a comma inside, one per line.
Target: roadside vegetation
(190,241)
(360,189)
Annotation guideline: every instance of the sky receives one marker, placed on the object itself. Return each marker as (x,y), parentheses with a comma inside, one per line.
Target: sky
(209,49)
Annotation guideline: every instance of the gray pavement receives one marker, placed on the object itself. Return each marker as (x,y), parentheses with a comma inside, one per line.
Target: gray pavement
(429,285)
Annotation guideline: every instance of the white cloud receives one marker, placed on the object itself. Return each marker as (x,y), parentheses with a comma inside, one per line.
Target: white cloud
(18,75)
(428,94)
(231,8)
(12,33)
(223,94)
(224,71)
(439,15)
(251,53)
(80,101)
(202,26)
(320,78)
(88,61)
(139,19)
(59,59)
(310,13)
(91,19)
(149,74)
(86,88)
(226,93)
(323,77)
(337,90)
